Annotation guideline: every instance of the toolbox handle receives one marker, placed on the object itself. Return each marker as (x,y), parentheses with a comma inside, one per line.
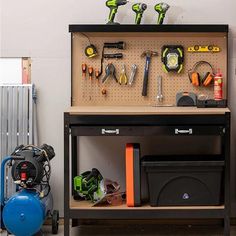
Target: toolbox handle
(183,131)
(111,131)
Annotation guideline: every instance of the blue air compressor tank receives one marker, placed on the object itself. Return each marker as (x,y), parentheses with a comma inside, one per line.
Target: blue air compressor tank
(24,213)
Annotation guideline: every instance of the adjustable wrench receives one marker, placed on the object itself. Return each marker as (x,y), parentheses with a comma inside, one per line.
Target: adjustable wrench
(159,89)
(133,73)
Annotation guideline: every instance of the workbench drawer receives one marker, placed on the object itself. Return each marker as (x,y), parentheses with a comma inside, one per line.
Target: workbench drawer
(145,130)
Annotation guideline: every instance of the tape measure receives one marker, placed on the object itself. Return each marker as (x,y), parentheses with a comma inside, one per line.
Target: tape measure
(91,51)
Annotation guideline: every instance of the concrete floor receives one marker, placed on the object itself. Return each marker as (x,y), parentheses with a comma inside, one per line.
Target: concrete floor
(150,230)
(146,230)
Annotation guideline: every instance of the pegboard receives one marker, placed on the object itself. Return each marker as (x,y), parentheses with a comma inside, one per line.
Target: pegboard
(88,92)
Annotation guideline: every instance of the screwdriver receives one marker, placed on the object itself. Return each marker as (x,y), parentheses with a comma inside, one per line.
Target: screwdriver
(84,70)
(90,71)
(97,74)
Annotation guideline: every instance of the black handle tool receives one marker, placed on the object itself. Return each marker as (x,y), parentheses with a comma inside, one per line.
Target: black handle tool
(148,55)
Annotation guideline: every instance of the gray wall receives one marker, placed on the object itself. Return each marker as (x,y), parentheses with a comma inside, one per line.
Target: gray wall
(39,29)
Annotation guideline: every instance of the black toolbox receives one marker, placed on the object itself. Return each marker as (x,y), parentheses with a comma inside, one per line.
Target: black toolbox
(184,180)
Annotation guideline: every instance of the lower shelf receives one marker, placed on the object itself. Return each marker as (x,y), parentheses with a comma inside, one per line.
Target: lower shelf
(89,206)
(85,210)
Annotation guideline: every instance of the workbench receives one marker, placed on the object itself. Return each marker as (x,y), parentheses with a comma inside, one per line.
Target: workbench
(123,111)
(143,121)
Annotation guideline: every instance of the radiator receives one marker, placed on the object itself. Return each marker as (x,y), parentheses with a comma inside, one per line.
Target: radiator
(17,122)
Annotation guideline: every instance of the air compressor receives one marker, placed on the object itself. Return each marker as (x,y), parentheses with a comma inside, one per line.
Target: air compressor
(24,213)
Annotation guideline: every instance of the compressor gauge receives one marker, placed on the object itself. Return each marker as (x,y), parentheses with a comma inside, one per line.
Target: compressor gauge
(29,172)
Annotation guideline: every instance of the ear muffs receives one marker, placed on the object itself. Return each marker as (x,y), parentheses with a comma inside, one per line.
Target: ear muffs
(207,79)
(195,78)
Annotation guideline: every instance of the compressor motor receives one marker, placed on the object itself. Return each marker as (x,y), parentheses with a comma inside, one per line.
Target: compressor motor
(35,168)
(25,212)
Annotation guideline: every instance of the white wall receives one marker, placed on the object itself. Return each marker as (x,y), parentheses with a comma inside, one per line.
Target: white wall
(0,28)
(39,29)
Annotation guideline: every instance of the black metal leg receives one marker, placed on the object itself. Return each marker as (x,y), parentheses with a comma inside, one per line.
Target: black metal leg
(66,176)
(226,152)
(66,226)
(74,162)
(74,166)
(227,226)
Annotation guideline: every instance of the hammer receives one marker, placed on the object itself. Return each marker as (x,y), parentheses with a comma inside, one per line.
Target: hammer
(148,55)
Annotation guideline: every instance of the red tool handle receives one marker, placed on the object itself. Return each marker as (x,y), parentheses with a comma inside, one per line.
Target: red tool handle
(84,70)
(90,71)
(97,74)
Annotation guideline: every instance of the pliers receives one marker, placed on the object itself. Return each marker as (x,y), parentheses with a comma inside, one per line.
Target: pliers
(110,71)
(123,77)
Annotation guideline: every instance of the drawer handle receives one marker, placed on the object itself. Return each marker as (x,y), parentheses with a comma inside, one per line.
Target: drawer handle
(183,131)
(111,131)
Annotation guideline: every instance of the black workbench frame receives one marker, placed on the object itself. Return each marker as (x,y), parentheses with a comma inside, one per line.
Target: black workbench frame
(150,28)
(146,125)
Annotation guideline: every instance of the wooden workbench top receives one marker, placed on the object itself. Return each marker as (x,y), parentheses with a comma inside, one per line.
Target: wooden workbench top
(144,110)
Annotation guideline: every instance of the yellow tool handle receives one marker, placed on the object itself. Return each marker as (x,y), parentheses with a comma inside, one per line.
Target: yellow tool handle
(123,79)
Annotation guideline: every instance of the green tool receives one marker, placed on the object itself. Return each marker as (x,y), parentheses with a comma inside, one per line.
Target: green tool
(139,8)
(113,5)
(87,184)
(90,185)
(161,8)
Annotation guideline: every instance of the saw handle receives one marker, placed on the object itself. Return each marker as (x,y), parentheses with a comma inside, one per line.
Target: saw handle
(94,173)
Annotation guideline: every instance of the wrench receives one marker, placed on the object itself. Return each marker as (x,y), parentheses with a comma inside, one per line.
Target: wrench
(159,89)
(133,73)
